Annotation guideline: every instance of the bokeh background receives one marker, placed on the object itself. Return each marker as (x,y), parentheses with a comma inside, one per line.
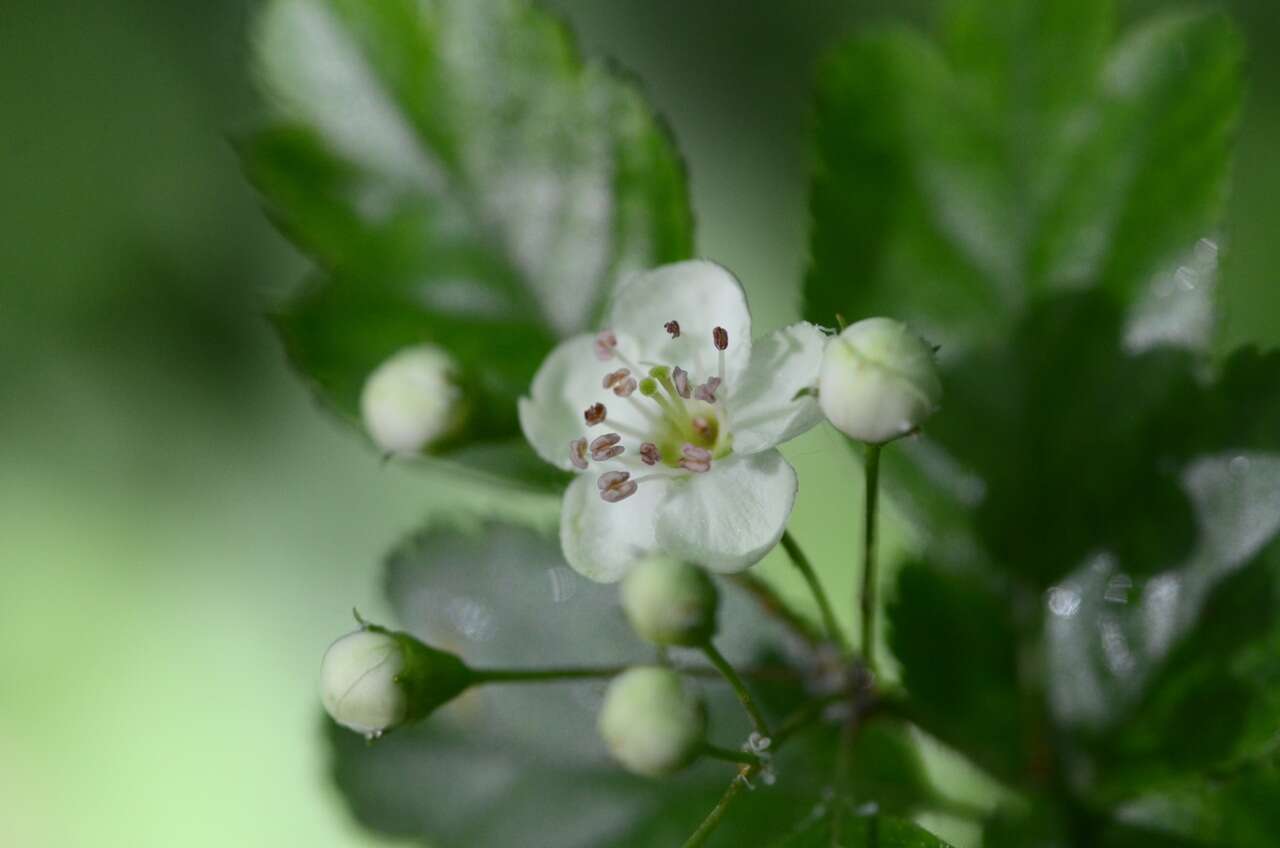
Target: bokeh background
(182,530)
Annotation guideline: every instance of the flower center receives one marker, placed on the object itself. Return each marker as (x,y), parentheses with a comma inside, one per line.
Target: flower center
(682,426)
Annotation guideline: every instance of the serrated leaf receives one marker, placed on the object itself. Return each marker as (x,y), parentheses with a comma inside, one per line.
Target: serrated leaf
(956,643)
(459,176)
(519,765)
(957,187)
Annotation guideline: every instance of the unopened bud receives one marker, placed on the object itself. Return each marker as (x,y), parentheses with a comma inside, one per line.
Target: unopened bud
(878,381)
(652,722)
(412,401)
(669,602)
(374,680)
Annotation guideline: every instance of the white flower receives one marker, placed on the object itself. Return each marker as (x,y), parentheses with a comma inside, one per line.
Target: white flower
(359,685)
(670,415)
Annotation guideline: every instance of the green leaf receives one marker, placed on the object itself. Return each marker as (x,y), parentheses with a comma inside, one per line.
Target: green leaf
(956,643)
(459,176)
(952,186)
(522,764)
(958,187)
(859,830)
(1184,676)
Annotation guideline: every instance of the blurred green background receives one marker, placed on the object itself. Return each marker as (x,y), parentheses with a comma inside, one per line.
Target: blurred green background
(182,531)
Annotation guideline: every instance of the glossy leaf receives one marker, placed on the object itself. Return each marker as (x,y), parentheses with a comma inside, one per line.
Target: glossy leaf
(458,176)
(522,764)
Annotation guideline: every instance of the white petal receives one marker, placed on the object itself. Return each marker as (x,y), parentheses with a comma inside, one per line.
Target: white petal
(603,540)
(700,295)
(566,384)
(730,517)
(763,407)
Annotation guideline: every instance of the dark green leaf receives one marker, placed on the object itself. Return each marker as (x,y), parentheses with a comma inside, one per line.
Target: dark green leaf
(460,177)
(957,188)
(860,830)
(519,765)
(956,643)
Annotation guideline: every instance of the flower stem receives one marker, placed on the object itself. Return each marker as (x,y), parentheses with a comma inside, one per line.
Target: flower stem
(867,600)
(739,687)
(730,756)
(544,675)
(801,562)
(801,717)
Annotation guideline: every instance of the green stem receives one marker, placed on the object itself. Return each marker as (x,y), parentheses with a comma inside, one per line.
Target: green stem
(730,756)
(544,675)
(867,600)
(739,687)
(712,821)
(790,725)
(801,562)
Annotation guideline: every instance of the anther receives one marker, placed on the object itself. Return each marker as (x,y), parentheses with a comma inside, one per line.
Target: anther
(720,337)
(606,447)
(594,414)
(614,377)
(680,378)
(649,454)
(578,453)
(695,459)
(616,486)
(625,387)
(606,343)
(707,391)
(673,327)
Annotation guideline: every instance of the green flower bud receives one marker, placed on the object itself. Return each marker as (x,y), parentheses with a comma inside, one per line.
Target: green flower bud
(374,680)
(878,381)
(413,400)
(669,602)
(653,724)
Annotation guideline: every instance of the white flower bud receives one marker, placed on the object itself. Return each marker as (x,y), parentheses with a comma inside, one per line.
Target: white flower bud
(878,381)
(412,401)
(669,602)
(374,680)
(652,723)
(358,683)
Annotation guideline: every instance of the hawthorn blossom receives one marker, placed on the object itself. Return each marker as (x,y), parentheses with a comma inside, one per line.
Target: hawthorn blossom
(671,417)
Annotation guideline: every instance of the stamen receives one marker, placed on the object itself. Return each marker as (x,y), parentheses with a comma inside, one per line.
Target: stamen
(616,486)
(625,387)
(578,454)
(720,338)
(707,391)
(673,327)
(614,377)
(680,378)
(606,345)
(695,459)
(606,447)
(649,454)
(594,414)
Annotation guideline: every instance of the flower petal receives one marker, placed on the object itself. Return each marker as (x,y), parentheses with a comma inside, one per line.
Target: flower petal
(600,540)
(700,296)
(568,382)
(764,409)
(730,517)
